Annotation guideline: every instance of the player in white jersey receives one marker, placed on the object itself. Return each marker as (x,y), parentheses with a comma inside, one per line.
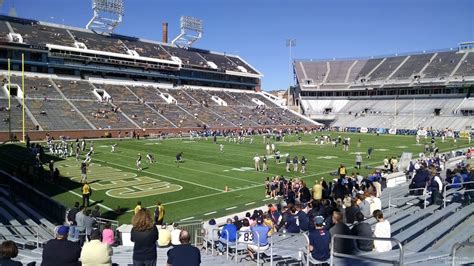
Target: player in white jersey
(139,162)
(114,147)
(88,158)
(150,158)
(221,147)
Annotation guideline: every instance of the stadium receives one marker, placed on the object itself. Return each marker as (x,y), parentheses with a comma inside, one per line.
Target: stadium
(121,150)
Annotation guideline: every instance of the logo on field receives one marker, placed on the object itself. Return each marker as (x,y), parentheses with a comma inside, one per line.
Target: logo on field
(119,184)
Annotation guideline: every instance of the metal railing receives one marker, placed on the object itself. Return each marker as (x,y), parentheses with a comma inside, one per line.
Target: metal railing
(445,190)
(454,250)
(192,227)
(114,224)
(365,258)
(11,232)
(424,195)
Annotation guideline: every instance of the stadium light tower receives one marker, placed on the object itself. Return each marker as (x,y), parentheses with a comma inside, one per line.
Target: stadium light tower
(191,31)
(107,15)
(290,43)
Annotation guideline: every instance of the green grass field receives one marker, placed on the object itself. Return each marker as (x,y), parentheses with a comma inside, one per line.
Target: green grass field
(195,189)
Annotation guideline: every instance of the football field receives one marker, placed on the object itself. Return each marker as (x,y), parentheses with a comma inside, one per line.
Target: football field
(195,189)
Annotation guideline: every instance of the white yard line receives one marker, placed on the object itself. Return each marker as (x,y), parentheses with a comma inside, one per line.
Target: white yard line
(209,213)
(230,208)
(250,203)
(189,218)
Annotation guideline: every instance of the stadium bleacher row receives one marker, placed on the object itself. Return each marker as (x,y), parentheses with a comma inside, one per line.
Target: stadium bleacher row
(436,113)
(43,34)
(62,104)
(427,233)
(433,67)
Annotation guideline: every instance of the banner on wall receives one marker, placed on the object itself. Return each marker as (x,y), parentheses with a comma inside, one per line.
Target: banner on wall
(381,130)
(392,131)
(364,130)
(422,132)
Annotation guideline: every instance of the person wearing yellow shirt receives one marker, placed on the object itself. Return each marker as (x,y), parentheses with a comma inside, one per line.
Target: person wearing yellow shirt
(317,190)
(159,213)
(86,193)
(164,237)
(138,207)
(342,171)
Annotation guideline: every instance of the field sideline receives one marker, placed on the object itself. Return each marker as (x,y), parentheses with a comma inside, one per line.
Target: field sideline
(195,189)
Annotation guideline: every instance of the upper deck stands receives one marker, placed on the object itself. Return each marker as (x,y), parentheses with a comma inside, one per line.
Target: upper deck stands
(412,66)
(387,67)
(146,49)
(442,65)
(189,58)
(241,63)
(368,67)
(467,66)
(338,71)
(33,33)
(100,42)
(4,30)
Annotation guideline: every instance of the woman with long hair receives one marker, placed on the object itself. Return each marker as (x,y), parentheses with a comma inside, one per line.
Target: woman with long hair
(144,234)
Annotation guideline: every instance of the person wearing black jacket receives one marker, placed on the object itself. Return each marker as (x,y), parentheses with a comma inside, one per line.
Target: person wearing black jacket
(361,228)
(60,251)
(341,245)
(144,234)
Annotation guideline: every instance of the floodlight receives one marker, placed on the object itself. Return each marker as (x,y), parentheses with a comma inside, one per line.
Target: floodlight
(107,15)
(191,31)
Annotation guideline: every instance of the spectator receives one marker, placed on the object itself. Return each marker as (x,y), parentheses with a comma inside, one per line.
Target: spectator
(96,212)
(95,252)
(351,210)
(303,220)
(341,245)
(364,206)
(245,235)
(175,235)
(81,228)
(382,229)
(237,222)
(211,235)
(228,235)
(164,236)
(260,238)
(108,235)
(317,191)
(89,223)
(184,254)
(436,187)
(361,228)
(8,250)
(71,218)
(319,240)
(292,221)
(61,251)
(145,235)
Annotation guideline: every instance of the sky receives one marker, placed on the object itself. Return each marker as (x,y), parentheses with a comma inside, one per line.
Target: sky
(257,30)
